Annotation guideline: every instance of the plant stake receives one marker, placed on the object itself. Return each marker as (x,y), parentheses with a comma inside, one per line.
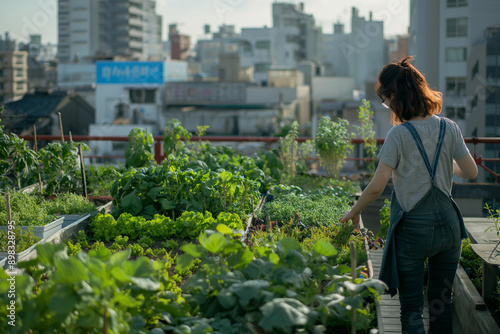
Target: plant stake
(38,163)
(9,214)
(61,128)
(82,165)
(353,274)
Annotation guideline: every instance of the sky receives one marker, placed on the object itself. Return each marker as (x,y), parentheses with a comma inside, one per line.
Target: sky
(24,17)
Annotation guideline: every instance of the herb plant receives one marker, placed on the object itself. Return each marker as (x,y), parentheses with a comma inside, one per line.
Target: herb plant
(365,116)
(24,239)
(140,149)
(333,144)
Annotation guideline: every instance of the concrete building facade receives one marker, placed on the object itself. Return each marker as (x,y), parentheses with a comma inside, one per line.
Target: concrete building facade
(13,75)
(90,29)
(442,35)
(483,85)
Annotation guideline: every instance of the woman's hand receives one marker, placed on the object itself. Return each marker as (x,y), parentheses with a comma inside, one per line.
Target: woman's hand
(351,216)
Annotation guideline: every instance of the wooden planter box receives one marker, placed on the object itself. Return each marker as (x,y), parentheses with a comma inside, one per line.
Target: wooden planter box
(42,231)
(469,308)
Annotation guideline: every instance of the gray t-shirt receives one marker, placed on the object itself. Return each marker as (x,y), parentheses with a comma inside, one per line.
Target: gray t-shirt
(410,176)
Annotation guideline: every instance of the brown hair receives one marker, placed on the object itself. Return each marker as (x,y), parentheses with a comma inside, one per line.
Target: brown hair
(410,95)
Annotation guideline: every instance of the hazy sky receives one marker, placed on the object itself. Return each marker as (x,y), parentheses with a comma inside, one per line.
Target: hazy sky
(24,17)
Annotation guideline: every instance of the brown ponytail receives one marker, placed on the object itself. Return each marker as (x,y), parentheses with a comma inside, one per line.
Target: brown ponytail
(410,95)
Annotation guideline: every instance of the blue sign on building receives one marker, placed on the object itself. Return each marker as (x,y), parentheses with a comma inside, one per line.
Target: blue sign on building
(114,72)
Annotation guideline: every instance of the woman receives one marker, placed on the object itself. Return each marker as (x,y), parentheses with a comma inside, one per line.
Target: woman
(422,153)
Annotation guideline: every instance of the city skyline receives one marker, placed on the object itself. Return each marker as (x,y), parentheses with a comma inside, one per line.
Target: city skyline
(40,16)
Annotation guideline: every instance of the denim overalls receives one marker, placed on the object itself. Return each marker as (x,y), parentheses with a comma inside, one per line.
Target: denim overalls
(433,229)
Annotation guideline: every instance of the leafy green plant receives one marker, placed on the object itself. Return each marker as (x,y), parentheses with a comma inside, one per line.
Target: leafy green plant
(23,239)
(140,149)
(278,291)
(173,134)
(61,167)
(333,144)
(365,116)
(98,292)
(175,187)
(291,153)
(16,159)
(495,215)
(145,241)
(69,204)
(136,249)
(384,214)
(101,178)
(27,210)
(170,244)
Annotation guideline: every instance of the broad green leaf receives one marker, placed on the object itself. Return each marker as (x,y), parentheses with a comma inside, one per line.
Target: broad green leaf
(63,300)
(119,257)
(184,262)
(131,203)
(70,271)
(192,249)
(225,176)
(224,229)
(216,243)
(240,259)
(324,248)
(167,205)
(146,283)
(153,192)
(289,243)
(227,299)
(274,258)
(282,314)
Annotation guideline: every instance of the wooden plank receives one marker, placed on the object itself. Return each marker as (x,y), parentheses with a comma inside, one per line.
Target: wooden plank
(476,228)
(489,253)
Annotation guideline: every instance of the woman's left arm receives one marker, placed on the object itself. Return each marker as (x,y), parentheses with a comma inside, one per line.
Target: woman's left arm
(371,193)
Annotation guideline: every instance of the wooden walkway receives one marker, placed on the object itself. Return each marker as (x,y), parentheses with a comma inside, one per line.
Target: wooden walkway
(389,308)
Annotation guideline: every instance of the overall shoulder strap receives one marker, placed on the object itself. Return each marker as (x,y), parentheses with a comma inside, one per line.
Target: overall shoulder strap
(420,146)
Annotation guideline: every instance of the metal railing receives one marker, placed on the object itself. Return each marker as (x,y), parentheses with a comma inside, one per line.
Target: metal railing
(159,155)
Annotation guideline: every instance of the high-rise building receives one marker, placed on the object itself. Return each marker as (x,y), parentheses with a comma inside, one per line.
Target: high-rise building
(442,35)
(7,44)
(360,54)
(13,75)
(483,85)
(298,28)
(180,45)
(108,28)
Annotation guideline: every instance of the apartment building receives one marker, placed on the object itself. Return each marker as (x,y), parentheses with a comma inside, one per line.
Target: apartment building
(442,35)
(107,28)
(13,75)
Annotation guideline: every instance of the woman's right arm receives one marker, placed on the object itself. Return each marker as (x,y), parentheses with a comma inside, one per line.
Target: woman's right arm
(465,167)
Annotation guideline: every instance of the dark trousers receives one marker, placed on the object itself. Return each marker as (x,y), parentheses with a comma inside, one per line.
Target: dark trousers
(429,231)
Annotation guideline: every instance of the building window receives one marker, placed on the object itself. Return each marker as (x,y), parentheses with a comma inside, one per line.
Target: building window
(292,38)
(456,27)
(456,54)
(142,95)
(493,72)
(474,102)
(266,45)
(455,112)
(455,86)
(456,3)
(262,67)
(475,69)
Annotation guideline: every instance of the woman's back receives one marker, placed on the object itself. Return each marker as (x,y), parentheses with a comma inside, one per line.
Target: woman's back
(410,176)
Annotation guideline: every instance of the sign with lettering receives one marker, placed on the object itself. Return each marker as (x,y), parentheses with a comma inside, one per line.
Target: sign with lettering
(120,72)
